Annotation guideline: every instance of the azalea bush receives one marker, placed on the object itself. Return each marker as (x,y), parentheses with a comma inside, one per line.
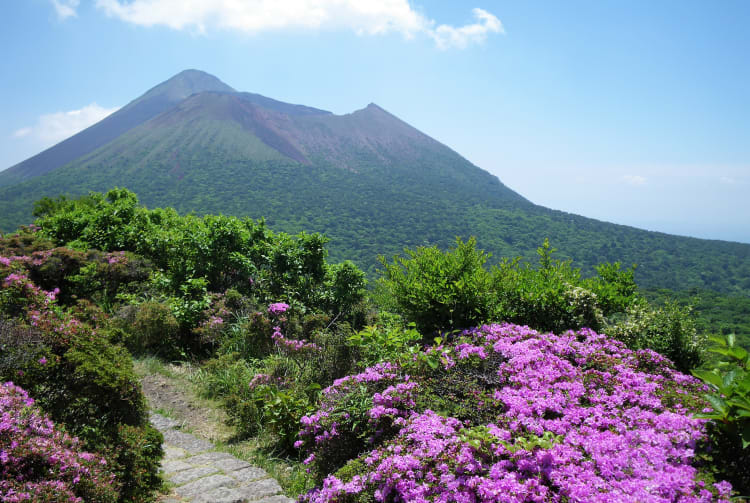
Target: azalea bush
(511,414)
(77,375)
(40,463)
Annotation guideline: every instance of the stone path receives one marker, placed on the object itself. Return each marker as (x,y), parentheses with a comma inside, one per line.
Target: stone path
(199,474)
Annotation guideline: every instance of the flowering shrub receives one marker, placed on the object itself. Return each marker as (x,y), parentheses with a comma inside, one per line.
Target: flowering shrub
(79,378)
(350,416)
(277,308)
(292,345)
(40,463)
(571,417)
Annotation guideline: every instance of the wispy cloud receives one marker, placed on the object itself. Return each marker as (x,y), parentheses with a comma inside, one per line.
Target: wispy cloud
(446,36)
(635,180)
(65,8)
(728,180)
(20,133)
(53,128)
(364,17)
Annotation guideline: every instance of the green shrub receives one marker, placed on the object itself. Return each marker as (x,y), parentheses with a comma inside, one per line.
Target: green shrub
(150,326)
(388,341)
(440,290)
(137,453)
(729,429)
(249,336)
(669,330)
(553,297)
(453,290)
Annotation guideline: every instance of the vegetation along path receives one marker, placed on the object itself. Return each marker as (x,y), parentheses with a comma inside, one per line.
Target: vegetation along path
(194,469)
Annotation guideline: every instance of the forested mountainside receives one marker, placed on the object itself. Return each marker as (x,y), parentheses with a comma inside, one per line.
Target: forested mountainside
(369,181)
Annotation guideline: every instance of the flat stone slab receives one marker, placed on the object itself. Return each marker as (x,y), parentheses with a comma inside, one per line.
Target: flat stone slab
(202,475)
(248,474)
(275,499)
(243,494)
(223,495)
(163,423)
(196,473)
(231,464)
(261,488)
(208,457)
(201,486)
(186,441)
(176,465)
(172,453)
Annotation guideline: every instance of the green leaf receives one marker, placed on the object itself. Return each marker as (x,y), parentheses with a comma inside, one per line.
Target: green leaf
(718,404)
(709,377)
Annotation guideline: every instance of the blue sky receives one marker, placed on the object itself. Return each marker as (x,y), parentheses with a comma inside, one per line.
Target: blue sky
(632,112)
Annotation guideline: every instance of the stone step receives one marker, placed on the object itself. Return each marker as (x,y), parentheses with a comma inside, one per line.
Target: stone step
(200,474)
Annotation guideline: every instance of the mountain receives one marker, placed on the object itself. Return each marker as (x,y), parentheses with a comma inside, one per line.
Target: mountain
(368,180)
(157,100)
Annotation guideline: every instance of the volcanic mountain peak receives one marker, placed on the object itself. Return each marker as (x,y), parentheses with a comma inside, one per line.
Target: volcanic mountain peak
(184,84)
(369,180)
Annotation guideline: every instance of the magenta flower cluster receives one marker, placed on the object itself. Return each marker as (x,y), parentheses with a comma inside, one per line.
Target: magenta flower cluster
(116,258)
(571,417)
(38,462)
(37,258)
(278,308)
(385,399)
(265,379)
(213,322)
(292,345)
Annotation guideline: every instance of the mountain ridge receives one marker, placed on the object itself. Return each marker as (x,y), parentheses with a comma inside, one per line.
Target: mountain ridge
(369,180)
(153,102)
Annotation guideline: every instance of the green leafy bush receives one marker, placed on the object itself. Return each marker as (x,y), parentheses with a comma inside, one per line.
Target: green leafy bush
(197,255)
(729,381)
(150,326)
(668,329)
(453,290)
(388,341)
(440,290)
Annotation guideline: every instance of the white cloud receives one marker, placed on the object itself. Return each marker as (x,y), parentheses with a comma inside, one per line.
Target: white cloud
(634,180)
(24,131)
(65,8)
(364,17)
(446,36)
(53,128)
(727,180)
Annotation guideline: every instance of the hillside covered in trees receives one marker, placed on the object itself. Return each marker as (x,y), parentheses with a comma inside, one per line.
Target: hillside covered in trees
(370,182)
(454,375)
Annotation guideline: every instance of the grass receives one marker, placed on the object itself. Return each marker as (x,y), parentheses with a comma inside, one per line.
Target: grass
(150,365)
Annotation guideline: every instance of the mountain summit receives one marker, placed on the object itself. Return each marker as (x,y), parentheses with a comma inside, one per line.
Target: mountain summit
(367,179)
(138,111)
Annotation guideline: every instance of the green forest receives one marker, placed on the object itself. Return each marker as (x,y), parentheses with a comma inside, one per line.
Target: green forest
(441,370)
(373,207)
